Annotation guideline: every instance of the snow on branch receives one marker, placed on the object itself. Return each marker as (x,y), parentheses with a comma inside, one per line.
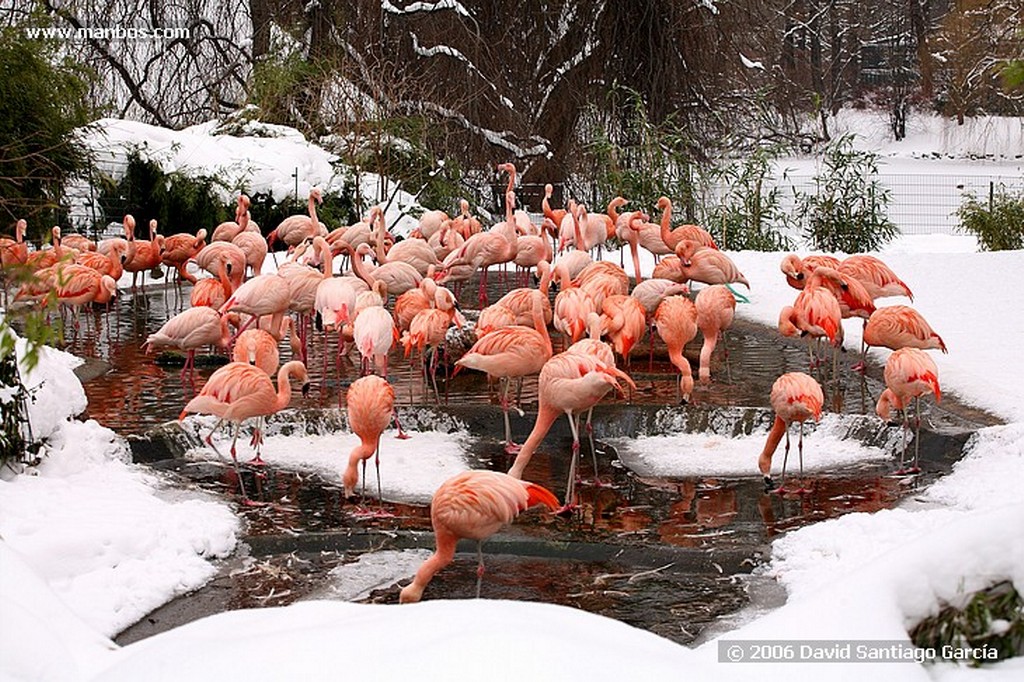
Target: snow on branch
(414,7)
(496,138)
(456,54)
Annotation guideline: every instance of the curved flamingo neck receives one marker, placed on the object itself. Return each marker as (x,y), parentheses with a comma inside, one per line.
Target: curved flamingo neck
(633,237)
(284,387)
(545,205)
(225,281)
(539,324)
(613,208)
(545,277)
(666,226)
(312,212)
(546,416)
(324,249)
(359,267)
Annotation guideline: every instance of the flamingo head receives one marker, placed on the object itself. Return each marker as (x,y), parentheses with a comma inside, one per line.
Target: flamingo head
(316,194)
(663,203)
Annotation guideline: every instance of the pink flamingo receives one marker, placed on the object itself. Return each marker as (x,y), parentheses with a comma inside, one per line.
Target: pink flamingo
(189,331)
(475,505)
(296,228)
(715,307)
(15,251)
(909,374)
(520,301)
(624,321)
(148,254)
(430,223)
(514,351)
(879,280)
(816,312)
(703,264)
(673,238)
(900,326)
(263,295)
(257,347)
(239,391)
(227,231)
(398,277)
(797,270)
(485,249)
(429,329)
(795,397)
(77,285)
(370,405)
(214,291)
(570,384)
(374,332)
(676,320)
(179,249)
(252,244)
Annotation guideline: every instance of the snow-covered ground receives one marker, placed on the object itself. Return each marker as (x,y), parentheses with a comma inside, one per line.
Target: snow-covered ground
(271,159)
(91,543)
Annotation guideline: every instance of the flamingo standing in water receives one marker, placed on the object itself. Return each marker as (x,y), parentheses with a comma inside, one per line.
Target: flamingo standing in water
(716,307)
(570,384)
(816,312)
(795,397)
(294,229)
(239,391)
(148,254)
(371,407)
(258,347)
(676,320)
(190,330)
(179,249)
(228,230)
(909,373)
(374,331)
(262,295)
(513,351)
(475,505)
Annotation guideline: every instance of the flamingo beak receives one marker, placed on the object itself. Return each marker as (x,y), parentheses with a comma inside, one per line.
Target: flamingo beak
(305,390)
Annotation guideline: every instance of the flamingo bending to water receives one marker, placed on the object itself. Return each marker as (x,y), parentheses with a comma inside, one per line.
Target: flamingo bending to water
(475,505)
(795,397)
(909,374)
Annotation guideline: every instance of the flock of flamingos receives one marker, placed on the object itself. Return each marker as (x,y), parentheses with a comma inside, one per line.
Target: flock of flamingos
(601,318)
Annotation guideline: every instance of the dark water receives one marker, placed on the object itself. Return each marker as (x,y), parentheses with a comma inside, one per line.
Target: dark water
(664,555)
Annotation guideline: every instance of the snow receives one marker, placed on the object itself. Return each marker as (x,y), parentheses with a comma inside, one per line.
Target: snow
(271,159)
(411,470)
(701,454)
(91,542)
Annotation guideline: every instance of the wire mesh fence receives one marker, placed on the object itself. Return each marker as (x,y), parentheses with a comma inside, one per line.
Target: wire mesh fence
(923,203)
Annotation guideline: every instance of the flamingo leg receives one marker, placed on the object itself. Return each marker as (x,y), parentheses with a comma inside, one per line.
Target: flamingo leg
(785,458)
(570,488)
(402,435)
(479,566)
(511,448)
(376,464)
(903,444)
(593,450)
(917,435)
